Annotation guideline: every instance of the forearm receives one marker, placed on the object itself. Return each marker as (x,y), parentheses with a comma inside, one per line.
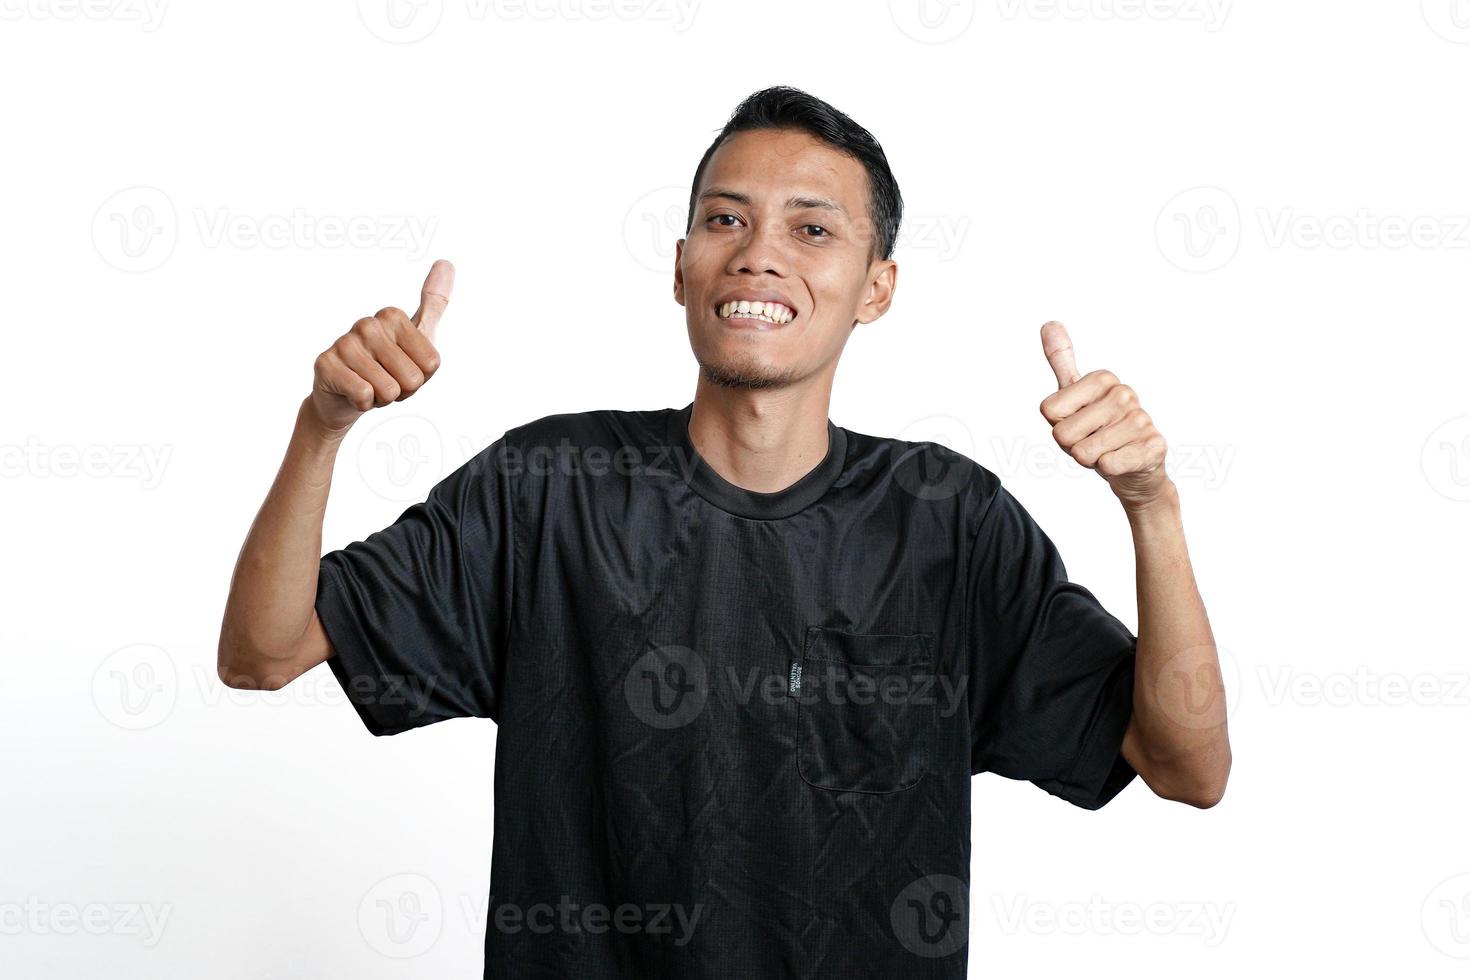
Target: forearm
(273,591)
(1177,740)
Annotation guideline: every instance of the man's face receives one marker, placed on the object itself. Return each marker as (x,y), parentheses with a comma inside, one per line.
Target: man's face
(779,215)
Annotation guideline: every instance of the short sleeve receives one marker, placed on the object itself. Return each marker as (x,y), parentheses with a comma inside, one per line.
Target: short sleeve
(418,613)
(1051,679)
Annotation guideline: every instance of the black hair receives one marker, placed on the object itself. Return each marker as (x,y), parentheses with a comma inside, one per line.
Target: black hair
(784,107)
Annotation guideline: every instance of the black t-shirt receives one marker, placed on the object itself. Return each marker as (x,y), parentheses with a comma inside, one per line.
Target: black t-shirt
(735,729)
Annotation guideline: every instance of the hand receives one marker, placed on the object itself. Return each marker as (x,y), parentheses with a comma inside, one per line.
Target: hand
(1097,420)
(384,358)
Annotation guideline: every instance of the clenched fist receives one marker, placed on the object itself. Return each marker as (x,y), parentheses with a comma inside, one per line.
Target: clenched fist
(1097,420)
(384,358)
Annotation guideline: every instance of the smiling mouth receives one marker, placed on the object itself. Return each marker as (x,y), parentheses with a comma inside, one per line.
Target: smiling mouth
(749,314)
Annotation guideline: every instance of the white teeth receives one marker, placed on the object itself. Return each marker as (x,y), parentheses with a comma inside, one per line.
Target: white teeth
(768,312)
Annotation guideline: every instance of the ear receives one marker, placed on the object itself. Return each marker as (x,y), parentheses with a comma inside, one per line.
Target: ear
(881,284)
(679,272)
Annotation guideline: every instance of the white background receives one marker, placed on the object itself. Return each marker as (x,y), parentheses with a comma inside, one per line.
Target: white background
(1254,213)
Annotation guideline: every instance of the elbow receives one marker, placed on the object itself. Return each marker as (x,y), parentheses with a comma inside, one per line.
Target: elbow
(1198,782)
(1205,796)
(244,672)
(1207,789)
(1201,794)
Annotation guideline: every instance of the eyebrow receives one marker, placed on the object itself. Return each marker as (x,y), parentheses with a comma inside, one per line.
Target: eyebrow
(796,202)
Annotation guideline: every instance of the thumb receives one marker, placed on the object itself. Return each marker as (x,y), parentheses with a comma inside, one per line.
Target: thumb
(1057,347)
(434,297)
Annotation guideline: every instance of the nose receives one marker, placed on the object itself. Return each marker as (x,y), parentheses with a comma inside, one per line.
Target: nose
(758,253)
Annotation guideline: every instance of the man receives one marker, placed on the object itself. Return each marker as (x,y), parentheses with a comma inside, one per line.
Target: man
(742,661)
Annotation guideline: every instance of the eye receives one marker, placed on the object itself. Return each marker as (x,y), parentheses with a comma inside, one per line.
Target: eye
(824,232)
(717,217)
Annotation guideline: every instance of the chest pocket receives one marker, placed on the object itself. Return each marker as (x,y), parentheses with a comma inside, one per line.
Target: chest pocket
(865,709)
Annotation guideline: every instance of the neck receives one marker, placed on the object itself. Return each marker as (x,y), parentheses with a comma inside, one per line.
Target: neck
(760,440)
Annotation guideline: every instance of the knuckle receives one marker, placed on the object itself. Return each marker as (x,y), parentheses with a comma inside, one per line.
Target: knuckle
(390,314)
(349,343)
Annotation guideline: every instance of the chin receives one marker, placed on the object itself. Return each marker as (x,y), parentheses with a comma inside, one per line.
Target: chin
(745,373)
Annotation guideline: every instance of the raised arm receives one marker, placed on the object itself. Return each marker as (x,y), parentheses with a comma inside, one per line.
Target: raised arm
(1177,739)
(270,633)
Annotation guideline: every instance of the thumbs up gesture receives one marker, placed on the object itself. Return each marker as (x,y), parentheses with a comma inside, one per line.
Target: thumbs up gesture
(1097,420)
(384,358)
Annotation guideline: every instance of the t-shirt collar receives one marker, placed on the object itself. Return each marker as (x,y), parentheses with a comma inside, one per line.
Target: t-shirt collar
(741,502)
